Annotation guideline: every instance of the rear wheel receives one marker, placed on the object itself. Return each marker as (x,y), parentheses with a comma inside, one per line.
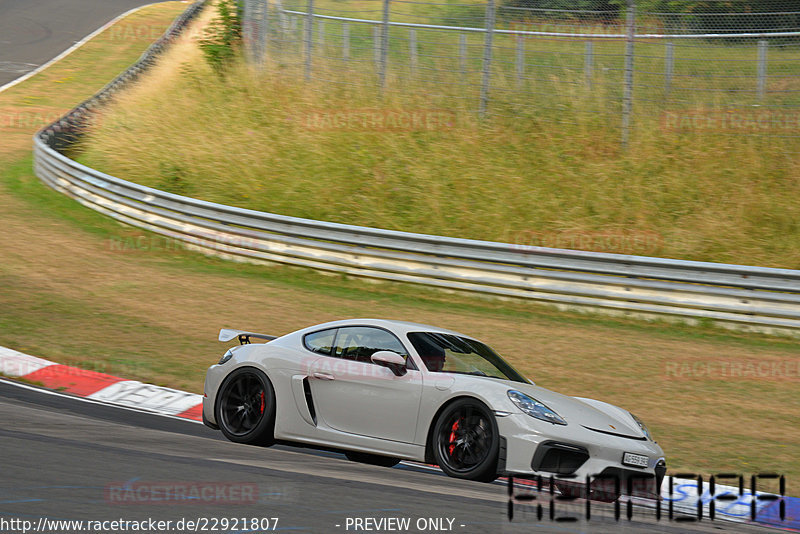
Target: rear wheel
(245,408)
(466,441)
(371,459)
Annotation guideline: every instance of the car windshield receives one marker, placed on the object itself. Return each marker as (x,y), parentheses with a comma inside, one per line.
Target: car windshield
(448,353)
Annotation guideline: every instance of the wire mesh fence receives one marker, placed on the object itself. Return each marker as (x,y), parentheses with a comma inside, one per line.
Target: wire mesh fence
(728,67)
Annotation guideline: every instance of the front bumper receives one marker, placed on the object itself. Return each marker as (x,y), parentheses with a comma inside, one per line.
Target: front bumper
(573,452)
(208,423)
(214,377)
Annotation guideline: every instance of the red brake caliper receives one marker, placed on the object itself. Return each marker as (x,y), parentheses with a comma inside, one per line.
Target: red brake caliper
(262,403)
(452,445)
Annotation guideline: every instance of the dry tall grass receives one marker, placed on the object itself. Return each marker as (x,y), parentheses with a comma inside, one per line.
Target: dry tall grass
(547,171)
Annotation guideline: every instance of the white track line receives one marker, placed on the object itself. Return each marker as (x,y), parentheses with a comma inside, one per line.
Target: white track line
(92,401)
(72,48)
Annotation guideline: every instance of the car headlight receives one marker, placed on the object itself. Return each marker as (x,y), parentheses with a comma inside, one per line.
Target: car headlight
(643,427)
(534,408)
(225,357)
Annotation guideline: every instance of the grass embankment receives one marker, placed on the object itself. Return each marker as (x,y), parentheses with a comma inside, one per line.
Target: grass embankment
(542,170)
(40,100)
(80,289)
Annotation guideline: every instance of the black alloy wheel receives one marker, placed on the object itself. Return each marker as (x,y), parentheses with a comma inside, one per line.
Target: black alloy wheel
(466,441)
(246,407)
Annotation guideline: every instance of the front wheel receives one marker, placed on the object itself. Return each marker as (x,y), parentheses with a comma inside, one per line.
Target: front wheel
(245,408)
(466,441)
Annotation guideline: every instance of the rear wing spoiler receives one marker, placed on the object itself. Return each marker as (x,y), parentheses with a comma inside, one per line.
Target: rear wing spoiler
(227,334)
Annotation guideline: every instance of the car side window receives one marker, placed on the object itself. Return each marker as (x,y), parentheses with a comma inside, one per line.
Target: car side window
(359,343)
(320,342)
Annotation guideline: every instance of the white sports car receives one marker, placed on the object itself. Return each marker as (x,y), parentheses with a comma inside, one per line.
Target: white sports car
(383,391)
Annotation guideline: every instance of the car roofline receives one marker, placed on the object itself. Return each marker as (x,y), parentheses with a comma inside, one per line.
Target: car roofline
(399,327)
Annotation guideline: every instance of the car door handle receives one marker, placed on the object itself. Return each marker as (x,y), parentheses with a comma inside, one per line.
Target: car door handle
(323,376)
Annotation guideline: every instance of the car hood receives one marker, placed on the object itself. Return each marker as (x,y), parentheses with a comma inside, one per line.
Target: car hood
(594,415)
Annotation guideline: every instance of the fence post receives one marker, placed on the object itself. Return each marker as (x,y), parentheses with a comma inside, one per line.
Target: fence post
(412,48)
(462,52)
(384,44)
(588,63)
(321,33)
(263,37)
(283,25)
(762,68)
(253,29)
(669,66)
(345,41)
(520,62)
(627,94)
(248,25)
(487,56)
(376,45)
(309,42)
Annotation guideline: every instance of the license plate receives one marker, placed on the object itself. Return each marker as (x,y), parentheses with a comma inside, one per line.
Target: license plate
(636,460)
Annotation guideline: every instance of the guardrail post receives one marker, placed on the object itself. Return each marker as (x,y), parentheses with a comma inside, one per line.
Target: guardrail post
(309,42)
(588,63)
(487,56)
(627,95)
(384,44)
(462,53)
(345,41)
(520,59)
(669,66)
(762,68)
(412,48)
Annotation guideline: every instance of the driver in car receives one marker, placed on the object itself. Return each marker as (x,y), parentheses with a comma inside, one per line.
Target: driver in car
(433,357)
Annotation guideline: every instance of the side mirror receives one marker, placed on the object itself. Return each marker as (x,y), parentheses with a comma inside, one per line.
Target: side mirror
(392,360)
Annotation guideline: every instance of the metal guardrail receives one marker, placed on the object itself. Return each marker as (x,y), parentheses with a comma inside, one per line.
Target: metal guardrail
(759,298)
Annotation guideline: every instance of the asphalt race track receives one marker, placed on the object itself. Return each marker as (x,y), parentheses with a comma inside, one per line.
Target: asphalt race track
(34,31)
(62,457)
